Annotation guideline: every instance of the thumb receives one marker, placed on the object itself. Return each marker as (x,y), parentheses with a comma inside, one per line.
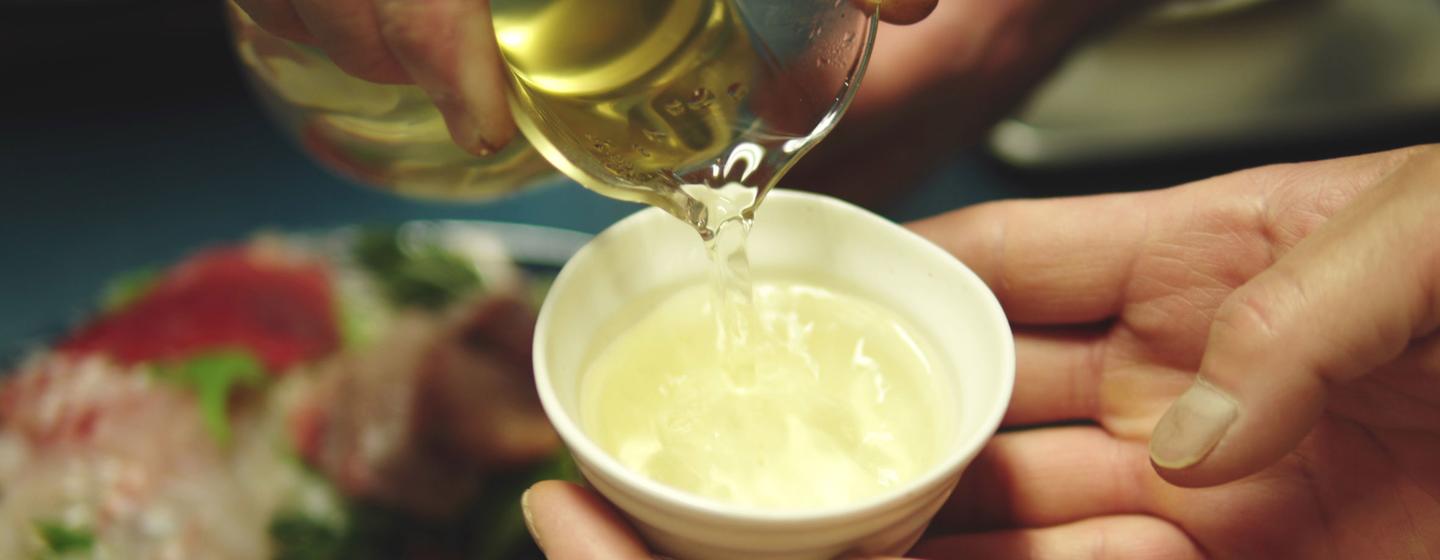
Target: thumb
(569,523)
(1346,300)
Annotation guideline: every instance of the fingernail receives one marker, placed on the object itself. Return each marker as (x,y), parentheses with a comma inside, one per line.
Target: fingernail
(1192,427)
(529,519)
(477,140)
(467,126)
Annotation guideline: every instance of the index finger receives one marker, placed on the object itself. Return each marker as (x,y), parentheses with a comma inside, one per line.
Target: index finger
(1072,260)
(1051,261)
(448,47)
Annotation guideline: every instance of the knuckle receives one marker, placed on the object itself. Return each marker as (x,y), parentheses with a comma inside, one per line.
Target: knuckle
(1424,155)
(987,227)
(1252,313)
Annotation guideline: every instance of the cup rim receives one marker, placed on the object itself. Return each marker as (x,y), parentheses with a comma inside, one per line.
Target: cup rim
(969,443)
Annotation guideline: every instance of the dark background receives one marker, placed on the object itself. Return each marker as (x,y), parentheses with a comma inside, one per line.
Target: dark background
(127,138)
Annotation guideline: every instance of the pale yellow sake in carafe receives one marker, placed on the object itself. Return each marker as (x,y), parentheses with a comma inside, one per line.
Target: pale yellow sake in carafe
(632,98)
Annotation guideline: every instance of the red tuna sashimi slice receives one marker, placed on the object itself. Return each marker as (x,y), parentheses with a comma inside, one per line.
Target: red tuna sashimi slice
(253,297)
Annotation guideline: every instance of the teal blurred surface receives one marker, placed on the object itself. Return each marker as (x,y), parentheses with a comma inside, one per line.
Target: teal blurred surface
(128,139)
(89,198)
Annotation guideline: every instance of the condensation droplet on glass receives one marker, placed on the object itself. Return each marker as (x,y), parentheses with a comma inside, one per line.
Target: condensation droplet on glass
(640,150)
(654,135)
(700,99)
(675,107)
(849,36)
(821,62)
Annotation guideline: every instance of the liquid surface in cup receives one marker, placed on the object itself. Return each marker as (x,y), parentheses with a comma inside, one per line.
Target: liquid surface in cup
(842,401)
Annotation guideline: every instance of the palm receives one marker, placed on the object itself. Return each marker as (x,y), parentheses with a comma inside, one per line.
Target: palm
(1114,335)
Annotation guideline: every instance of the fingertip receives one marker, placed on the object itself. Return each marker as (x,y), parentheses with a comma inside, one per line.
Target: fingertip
(1186,477)
(448,47)
(1213,435)
(529,518)
(552,488)
(569,521)
(474,132)
(1192,427)
(497,130)
(477,116)
(899,12)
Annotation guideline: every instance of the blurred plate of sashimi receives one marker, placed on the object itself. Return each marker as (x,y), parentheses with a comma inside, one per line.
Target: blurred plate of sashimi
(352,394)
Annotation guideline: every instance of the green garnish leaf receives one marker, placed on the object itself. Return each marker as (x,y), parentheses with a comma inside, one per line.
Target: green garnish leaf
(363,312)
(502,530)
(426,277)
(560,466)
(539,287)
(63,540)
(492,527)
(352,329)
(125,289)
(213,377)
(298,536)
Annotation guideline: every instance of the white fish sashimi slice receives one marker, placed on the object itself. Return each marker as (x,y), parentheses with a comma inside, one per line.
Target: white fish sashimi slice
(91,445)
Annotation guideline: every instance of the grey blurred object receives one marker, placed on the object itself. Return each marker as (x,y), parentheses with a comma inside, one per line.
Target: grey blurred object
(1232,73)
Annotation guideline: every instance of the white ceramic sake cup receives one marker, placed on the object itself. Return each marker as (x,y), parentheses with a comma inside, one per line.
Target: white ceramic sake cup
(815,236)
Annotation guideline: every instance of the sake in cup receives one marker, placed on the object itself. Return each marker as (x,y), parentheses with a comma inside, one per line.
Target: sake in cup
(819,237)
